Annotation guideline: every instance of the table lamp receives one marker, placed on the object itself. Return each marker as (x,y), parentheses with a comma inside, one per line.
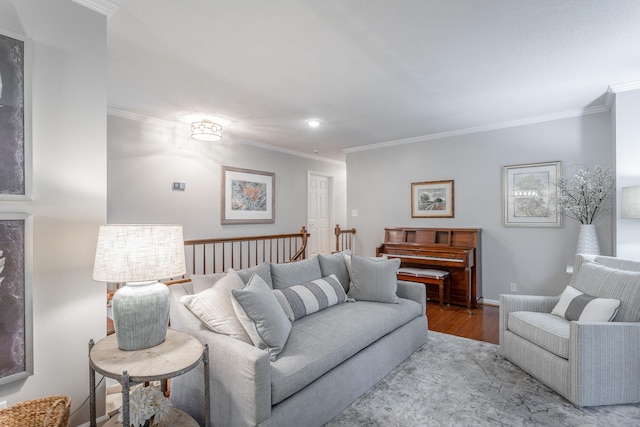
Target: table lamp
(139,255)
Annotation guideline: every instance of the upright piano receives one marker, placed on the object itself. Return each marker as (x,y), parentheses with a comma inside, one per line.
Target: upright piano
(456,250)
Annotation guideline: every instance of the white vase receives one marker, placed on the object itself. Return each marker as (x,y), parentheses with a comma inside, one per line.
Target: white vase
(588,240)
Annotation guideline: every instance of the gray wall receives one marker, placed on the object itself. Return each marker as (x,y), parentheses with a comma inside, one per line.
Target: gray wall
(69,98)
(627,135)
(146,157)
(379,188)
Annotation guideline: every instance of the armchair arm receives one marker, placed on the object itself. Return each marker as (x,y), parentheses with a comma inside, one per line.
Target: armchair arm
(413,291)
(604,360)
(511,303)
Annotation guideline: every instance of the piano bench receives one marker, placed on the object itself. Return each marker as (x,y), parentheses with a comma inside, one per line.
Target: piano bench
(428,277)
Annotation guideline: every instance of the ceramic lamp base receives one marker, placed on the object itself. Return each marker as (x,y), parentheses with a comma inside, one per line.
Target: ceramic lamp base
(141,315)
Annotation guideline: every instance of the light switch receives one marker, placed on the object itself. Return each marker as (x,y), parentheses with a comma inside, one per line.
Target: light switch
(179,186)
(354,212)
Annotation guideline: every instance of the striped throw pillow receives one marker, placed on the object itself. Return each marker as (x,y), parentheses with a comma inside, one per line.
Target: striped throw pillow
(576,305)
(306,298)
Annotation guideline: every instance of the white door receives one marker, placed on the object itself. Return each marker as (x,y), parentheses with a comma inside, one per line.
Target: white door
(318,214)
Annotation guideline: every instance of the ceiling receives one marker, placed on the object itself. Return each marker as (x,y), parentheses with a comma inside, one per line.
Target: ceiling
(372,71)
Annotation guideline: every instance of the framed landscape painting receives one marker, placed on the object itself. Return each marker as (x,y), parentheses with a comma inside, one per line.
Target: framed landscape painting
(15,129)
(248,196)
(530,195)
(432,199)
(16,358)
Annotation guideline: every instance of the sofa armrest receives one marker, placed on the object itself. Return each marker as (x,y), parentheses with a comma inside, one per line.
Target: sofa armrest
(413,291)
(604,359)
(511,303)
(239,378)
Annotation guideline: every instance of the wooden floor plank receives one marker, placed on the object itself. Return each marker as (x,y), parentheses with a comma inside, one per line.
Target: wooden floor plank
(481,325)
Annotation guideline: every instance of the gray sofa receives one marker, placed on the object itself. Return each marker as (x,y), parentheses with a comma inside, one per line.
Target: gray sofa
(330,358)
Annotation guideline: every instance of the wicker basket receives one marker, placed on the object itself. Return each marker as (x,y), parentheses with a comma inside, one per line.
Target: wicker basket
(51,411)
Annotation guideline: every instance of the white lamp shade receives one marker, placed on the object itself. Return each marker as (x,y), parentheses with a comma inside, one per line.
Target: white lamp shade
(139,252)
(630,202)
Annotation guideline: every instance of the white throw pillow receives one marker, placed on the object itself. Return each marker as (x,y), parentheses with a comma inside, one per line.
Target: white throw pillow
(214,308)
(262,316)
(576,305)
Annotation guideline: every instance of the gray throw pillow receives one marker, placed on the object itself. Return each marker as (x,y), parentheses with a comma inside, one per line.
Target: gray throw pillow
(263,270)
(262,316)
(374,279)
(300,300)
(294,273)
(335,264)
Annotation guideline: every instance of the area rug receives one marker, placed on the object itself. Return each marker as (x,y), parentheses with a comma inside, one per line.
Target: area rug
(453,381)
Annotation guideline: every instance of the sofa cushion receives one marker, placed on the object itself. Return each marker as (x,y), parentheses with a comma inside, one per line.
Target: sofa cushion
(298,301)
(335,264)
(321,341)
(214,308)
(263,270)
(204,281)
(294,273)
(604,282)
(374,279)
(261,316)
(546,330)
(576,305)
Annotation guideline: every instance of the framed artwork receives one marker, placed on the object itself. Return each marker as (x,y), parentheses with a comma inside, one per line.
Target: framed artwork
(248,196)
(530,195)
(432,199)
(15,117)
(16,327)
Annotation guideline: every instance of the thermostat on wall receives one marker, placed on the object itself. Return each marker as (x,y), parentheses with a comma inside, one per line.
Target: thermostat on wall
(179,186)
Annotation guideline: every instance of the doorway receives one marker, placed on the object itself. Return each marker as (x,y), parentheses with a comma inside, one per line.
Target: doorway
(319,213)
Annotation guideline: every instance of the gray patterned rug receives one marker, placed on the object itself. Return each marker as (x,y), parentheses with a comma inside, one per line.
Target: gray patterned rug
(453,381)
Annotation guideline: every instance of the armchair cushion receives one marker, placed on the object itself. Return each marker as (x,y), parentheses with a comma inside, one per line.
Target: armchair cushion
(604,282)
(576,305)
(543,329)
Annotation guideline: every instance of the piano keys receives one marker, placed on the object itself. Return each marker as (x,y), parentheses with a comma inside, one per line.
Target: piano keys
(455,250)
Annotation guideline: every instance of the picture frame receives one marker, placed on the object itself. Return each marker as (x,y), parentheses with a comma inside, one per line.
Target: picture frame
(248,196)
(432,199)
(530,195)
(15,120)
(16,308)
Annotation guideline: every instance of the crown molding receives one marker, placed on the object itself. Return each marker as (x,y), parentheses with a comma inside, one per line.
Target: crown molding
(175,125)
(624,87)
(495,126)
(105,7)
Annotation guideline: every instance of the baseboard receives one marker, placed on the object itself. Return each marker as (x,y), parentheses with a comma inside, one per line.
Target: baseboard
(491,302)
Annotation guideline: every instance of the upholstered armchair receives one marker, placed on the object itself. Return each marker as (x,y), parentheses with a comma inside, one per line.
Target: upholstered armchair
(588,362)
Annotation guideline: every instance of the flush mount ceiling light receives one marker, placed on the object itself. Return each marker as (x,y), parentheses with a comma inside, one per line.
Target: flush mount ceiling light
(314,123)
(206,130)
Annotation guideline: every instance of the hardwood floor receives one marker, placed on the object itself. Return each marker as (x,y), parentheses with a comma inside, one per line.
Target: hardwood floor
(482,325)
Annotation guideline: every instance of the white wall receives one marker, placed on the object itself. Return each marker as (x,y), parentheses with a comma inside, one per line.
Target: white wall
(146,157)
(379,188)
(69,192)
(627,135)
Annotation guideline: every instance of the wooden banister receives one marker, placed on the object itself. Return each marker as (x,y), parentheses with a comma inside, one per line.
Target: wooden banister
(344,238)
(217,255)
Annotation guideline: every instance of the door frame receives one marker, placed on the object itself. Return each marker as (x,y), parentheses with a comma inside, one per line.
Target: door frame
(331,215)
